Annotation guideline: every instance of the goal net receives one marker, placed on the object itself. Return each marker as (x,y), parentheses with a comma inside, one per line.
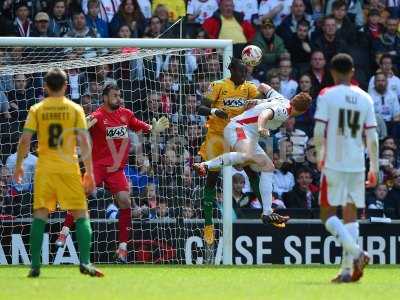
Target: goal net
(157,78)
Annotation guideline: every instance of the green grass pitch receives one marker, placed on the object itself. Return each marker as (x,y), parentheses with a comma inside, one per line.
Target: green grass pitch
(197,282)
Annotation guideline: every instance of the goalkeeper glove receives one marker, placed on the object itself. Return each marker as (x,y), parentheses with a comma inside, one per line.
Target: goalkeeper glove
(160,125)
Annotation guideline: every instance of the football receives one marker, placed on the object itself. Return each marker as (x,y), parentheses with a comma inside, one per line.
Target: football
(251,55)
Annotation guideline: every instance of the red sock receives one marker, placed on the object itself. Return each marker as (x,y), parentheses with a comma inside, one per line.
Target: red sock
(125,221)
(69,220)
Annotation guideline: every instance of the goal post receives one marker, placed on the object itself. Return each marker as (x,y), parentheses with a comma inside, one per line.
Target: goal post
(226,45)
(147,59)
(227,216)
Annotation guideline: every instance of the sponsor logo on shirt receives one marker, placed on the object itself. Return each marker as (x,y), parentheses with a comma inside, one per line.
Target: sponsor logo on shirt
(119,132)
(234,102)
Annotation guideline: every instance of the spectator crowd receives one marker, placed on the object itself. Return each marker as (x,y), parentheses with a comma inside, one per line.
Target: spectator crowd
(297,37)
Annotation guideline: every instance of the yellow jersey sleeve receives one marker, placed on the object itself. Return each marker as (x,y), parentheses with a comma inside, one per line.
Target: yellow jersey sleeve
(213,91)
(31,120)
(81,119)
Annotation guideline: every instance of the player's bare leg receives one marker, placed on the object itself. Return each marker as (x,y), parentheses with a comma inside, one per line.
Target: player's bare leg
(40,217)
(64,233)
(84,238)
(124,225)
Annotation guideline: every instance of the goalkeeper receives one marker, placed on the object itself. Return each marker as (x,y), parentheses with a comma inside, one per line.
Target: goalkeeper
(225,99)
(108,127)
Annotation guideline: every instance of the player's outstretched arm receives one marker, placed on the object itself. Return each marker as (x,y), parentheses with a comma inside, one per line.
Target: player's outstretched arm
(373,152)
(266,93)
(264,89)
(86,154)
(22,151)
(319,141)
(205,109)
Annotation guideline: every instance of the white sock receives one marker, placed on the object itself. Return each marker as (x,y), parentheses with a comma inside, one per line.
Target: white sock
(347,259)
(354,229)
(347,263)
(266,192)
(337,229)
(65,230)
(226,159)
(123,246)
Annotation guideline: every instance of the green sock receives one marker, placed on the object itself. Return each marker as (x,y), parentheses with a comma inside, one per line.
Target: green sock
(208,200)
(36,240)
(84,237)
(255,185)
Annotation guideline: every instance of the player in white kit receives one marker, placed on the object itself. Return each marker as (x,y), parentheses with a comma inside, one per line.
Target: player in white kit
(344,113)
(242,134)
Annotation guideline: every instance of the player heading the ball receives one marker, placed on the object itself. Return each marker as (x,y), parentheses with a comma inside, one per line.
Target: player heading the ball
(225,99)
(242,135)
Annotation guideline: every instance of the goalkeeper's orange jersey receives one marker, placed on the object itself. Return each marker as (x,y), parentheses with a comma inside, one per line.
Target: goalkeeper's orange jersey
(55,120)
(224,95)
